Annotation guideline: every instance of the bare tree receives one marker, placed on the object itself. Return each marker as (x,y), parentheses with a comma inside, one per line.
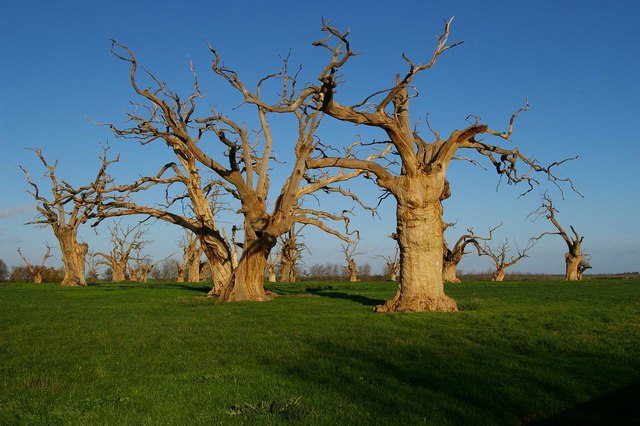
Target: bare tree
(272,264)
(143,266)
(349,251)
(93,263)
(418,183)
(168,118)
(453,256)
(574,243)
(67,209)
(499,257)
(36,270)
(192,250)
(392,264)
(291,248)
(124,241)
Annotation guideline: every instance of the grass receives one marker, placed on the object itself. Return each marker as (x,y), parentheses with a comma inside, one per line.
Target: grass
(164,353)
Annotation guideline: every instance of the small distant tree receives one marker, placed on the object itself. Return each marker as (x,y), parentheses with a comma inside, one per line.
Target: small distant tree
(124,241)
(499,258)
(365,270)
(453,256)
(167,270)
(291,248)
(272,264)
(36,271)
(392,265)
(4,271)
(93,263)
(349,251)
(574,256)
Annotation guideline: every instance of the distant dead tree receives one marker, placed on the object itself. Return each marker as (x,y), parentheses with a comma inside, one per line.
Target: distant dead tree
(143,266)
(272,265)
(453,255)
(242,173)
(36,270)
(93,263)
(192,252)
(67,209)
(418,181)
(392,264)
(574,256)
(349,251)
(499,257)
(124,241)
(291,249)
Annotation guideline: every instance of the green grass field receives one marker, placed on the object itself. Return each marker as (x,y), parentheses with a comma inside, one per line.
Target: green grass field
(317,354)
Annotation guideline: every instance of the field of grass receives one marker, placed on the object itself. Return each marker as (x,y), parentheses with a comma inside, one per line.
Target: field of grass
(317,354)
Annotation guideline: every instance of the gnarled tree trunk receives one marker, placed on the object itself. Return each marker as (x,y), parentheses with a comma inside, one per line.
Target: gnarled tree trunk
(450,272)
(572,261)
(248,276)
(193,271)
(288,272)
(393,276)
(498,275)
(73,256)
(420,237)
(119,272)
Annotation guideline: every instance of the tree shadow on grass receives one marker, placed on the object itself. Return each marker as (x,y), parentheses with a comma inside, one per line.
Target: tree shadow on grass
(363,300)
(620,407)
(152,286)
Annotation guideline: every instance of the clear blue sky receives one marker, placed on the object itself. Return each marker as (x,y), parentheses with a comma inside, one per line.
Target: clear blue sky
(577,62)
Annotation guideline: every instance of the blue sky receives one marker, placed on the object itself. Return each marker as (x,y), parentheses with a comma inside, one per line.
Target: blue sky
(576,62)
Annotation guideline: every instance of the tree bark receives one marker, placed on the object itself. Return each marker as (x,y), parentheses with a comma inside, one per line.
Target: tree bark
(572,261)
(248,277)
(450,272)
(420,237)
(393,276)
(498,275)
(193,271)
(288,272)
(37,278)
(272,275)
(119,273)
(73,256)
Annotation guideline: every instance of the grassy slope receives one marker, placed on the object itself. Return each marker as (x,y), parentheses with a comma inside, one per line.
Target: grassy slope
(163,353)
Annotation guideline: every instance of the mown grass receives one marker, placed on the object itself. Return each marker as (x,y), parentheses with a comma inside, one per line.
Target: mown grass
(164,353)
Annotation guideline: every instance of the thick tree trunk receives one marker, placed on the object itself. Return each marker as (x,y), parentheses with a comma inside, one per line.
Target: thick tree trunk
(37,278)
(393,276)
(288,272)
(420,238)
(180,277)
(572,261)
(450,272)
(248,276)
(353,277)
(193,271)
(119,273)
(221,267)
(498,275)
(73,257)
(272,275)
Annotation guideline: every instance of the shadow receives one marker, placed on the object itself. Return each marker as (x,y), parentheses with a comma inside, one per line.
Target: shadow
(620,407)
(152,286)
(363,300)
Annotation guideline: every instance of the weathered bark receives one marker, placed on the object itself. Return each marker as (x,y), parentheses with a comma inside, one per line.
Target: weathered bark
(180,277)
(119,273)
(271,270)
(420,237)
(450,272)
(393,276)
(572,262)
(73,256)
(36,278)
(498,275)
(288,272)
(248,277)
(352,270)
(193,271)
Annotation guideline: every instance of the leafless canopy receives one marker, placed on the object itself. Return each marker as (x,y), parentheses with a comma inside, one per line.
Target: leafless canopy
(499,254)
(548,210)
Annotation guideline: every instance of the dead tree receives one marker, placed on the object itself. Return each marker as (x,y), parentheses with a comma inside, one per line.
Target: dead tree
(143,266)
(349,251)
(93,263)
(124,241)
(574,243)
(418,182)
(243,172)
(499,257)
(291,249)
(392,264)
(453,256)
(67,209)
(36,270)
(272,264)
(192,252)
